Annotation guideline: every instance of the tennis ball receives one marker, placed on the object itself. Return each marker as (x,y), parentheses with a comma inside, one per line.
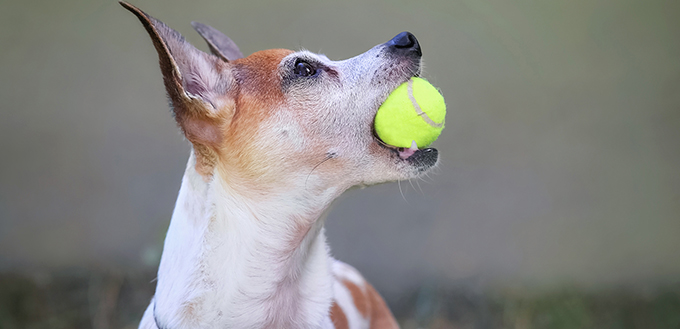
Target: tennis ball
(414,111)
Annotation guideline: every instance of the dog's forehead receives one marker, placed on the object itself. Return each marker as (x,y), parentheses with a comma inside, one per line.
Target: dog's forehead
(308,55)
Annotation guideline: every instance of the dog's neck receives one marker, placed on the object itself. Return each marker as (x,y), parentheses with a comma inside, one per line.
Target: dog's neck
(236,262)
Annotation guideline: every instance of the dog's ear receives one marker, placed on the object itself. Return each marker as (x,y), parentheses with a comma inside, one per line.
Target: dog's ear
(199,86)
(219,44)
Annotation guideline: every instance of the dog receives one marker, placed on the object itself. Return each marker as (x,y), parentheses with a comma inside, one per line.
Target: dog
(276,137)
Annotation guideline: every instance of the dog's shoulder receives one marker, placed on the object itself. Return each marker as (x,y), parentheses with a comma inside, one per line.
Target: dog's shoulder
(356,303)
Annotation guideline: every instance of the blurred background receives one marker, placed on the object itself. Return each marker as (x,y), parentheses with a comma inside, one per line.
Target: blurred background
(556,205)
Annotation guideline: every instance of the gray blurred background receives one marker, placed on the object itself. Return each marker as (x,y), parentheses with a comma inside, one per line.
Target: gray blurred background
(560,164)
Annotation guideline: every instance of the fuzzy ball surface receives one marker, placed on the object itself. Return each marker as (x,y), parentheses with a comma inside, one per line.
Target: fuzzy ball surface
(415,111)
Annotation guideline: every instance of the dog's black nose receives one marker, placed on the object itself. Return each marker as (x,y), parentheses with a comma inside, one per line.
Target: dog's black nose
(406,42)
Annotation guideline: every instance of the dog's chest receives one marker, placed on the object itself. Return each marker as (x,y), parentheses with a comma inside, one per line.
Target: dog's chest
(226,277)
(252,298)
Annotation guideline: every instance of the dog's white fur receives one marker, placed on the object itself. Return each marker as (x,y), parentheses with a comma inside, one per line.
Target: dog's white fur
(245,241)
(246,245)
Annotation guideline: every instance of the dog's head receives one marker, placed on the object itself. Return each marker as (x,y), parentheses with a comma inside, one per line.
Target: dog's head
(278,117)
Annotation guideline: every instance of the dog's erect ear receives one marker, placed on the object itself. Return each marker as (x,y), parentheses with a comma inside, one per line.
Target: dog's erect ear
(219,44)
(199,85)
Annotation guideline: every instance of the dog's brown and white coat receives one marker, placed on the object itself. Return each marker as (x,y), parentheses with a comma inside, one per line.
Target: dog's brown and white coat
(276,137)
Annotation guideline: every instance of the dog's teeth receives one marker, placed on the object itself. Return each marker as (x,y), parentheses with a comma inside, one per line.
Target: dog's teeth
(407,152)
(414,146)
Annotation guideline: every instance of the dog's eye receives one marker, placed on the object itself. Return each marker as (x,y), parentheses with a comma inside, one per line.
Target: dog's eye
(303,69)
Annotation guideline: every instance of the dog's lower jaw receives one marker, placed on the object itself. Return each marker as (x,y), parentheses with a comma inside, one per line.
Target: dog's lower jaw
(224,265)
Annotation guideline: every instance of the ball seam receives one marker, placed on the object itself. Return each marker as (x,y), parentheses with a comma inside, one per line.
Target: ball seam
(419,111)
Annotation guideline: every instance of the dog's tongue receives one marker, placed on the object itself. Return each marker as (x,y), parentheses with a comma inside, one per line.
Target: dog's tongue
(405,153)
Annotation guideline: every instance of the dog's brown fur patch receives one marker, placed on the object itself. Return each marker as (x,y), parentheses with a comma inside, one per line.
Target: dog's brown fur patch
(361,300)
(338,317)
(381,316)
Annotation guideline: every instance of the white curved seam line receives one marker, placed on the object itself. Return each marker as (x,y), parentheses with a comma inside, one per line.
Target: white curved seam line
(417,107)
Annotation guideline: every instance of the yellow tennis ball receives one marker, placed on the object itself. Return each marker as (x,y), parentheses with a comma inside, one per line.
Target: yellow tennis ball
(414,111)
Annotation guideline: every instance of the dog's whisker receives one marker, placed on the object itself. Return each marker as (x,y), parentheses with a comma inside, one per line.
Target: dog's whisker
(420,188)
(400,191)
(329,156)
(411,182)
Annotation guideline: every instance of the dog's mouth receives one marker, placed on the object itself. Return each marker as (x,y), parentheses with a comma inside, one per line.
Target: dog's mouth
(420,158)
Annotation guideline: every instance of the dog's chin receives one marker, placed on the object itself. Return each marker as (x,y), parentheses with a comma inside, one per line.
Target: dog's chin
(424,160)
(411,162)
